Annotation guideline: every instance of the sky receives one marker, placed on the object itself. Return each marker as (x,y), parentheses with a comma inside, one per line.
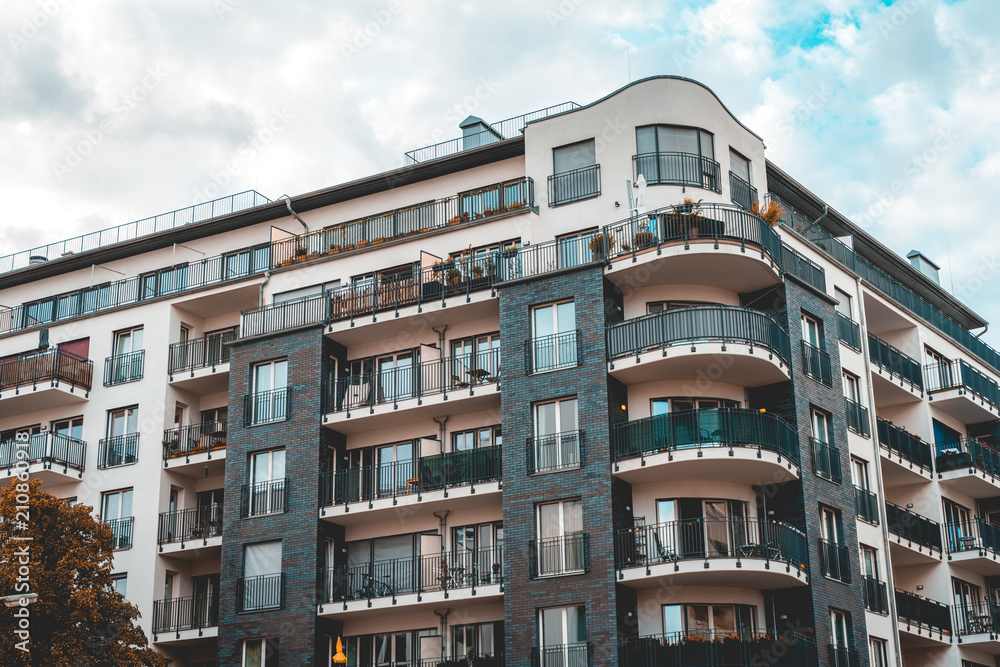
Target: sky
(115,110)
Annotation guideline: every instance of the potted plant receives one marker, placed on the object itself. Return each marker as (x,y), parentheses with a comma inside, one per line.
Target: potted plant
(334,248)
(477,271)
(771,214)
(643,239)
(508,252)
(601,245)
(300,253)
(453,275)
(685,219)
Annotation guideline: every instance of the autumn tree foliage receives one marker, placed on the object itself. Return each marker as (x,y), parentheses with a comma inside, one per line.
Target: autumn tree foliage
(64,555)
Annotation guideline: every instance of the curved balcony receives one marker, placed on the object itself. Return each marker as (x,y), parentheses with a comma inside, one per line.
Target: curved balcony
(713,552)
(737,445)
(718,648)
(677,168)
(746,347)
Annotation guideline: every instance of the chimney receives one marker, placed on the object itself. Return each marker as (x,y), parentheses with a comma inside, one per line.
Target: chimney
(924,265)
(477,132)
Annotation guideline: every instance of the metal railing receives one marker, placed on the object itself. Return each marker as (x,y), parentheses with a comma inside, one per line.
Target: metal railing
(578,654)
(188,613)
(849,332)
(54,367)
(895,362)
(916,610)
(210,350)
(803,268)
(857,417)
(844,656)
(552,352)
(265,407)
(741,192)
(133,230)
(897,440)
(121,532)
(402,383)
(268,497)
(687,169)
(565,554)
(826,460)
(119,450)
(718,648)
(725,324)
(193,439)
(49,449)
(697,429)
(575,185)
(554,451)
(705,539)
(912,527)
(816,364)
(834,561)
(967,453)
(866,505)
(196,523)
(122,368)
(961,375)
(876,595)
(978,618)
(974,535)
(260,593)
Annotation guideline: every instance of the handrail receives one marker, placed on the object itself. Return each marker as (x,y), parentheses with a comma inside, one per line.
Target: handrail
(54,367)
(49,449)
(185,613)
(678,168)
(209,350)
(895,361)
(897,440)
(195,523)
(913,527)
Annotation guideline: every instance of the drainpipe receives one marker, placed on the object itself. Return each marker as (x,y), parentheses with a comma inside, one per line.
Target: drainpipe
(444,630)
(441,337)
(288,205)
(260,297)
(443,522)
(441,430)
(978,335)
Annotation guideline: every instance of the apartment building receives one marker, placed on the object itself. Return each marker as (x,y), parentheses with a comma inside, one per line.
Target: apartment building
(731,438)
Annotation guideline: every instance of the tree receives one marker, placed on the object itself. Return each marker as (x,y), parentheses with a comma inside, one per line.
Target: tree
(64,555)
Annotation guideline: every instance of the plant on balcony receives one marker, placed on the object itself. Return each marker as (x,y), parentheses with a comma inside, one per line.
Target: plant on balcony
(643,239)
(453,276)
(477,271)
(334,248)
(685,220)
(601,245)
(771,214)
(508,252)
(300,251)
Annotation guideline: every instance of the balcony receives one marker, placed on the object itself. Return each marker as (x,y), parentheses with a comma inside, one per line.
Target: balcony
(558,556)
(834,561)
(190,531)
(577,654)
(122,368)
(260,498)
(866,505)
(267,407)
(741,192)
(917,537)
(849,332)
(554,451)
(686,169)
(186,618)
(844,656)
(876,597)
(816,364)
(201,364)
(575,185)
(713,552)
(978,624)
(969,466)
(265,592)
(857,418)
(906,458)
(121,533)
(120,450)
(550,353)
(826,460)
(738,445)
(796,264)
(37,381)
(705,648)
(922,621)
(975,545)
(960,390)
(195,445)
(897,378)
(749,346)
(52,458)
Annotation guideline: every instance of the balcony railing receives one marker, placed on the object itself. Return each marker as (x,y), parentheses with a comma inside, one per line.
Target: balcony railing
(184,441)
(555,451)
(121,532)
(54,367)
(866,505)
(961,375)
(575,185)
(978,618)
(565,554)
(265,407)
(803,268)
(466,568)
(741,192)
(876,597)
(816,364)
(849,332)
(975,535)
(578,654)
(259,498)
(190,613)
(895,362)
(49,449)
(899,442)
(123,368)
(261,593)
(916,610)
(844,656)
(119,450)
(207,351)
(857,417)
(718,648)
(913,527)
(687,169)
(725,324)
(967,453)
(704,539)
(552,352)
(196,523)
(401,383)
(698,429)
(826,460)
(834,561)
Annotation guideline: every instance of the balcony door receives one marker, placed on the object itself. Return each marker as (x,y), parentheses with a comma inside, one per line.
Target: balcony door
(396,376)
(261,588)
(122,423)
(958,526)
(267,474)
(394,467)
(564,636)
(560,537)
(970,610)
(125,367)
(270,380)
(552,326)
(206,600)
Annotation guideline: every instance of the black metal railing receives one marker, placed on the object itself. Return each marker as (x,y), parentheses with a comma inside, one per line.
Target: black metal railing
(119,450)
(193,439)
(565,554)
(704,539)
(973,535)
(876,595)
(688,169)
(207,351)
(903,444)
(849,332)
(826,460)
(977,618)
(575,185)
(961,375)
(968,453)
(741,192)
(866,505)
(895,362)
(578,654)
(816,364)
(401,383)
(803,268)
(265,407)
(844,656)
(196,523)
(857,417)
(834,561)
(189,613)
(54,367)
(121,532)
(555,451)
(717,648)
(552,352)
(722,427)
(122,368)
(912,527)
(725,324)
(260,593)
(269,497)
(49,449)
(916,610)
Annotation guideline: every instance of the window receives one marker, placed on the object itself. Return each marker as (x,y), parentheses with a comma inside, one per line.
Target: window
(947,440)
(398,648)
(676,156)
(879,655)
(740,190)
(662,406)
(859,473)
(840,630)
(704,620)
(68,428)
(116,511)
(267,476)
(261,585)
(120,582)
(270,392)
(386,565)
(574,249)
(395,465)
(740,166)
(481,638)
(851,391)
(563,631)
(857,414)
(487,436)
(476,359)
(561,541)
(815,361)
(396,377)
(973,614)
(843,303)
(575,173)
(121,446)
(557,438)
(939,370)
(478,549)
(661,306)
(826,457)
(958,526)
(834,558)
(553,341)
(869,562)
(126,362)
(261,653)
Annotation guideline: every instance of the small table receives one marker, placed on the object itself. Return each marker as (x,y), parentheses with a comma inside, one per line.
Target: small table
(479,375)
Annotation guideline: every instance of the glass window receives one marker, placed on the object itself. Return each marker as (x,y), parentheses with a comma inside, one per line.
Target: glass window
(574,249)
(553,336)
(267,482)
(820,426)
(68,428)
(487,436)
(859,473)
(844,303)
(811,331)
(557,442)
(560,537)
(573,156)
(879,655)
(851,388)
(270,400)
(840,632)
(563,631)
(120,582)
(116,505)
(261,652)
(869,562)
(829,525)
(739,165)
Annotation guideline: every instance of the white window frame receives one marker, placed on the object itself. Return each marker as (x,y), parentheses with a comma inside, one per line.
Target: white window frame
(567,447)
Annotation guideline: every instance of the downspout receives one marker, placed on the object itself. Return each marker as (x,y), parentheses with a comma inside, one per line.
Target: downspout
(984,330)
(288,205)
(260,297)
(826,210)
(441,430)
(444,630)
(440,337)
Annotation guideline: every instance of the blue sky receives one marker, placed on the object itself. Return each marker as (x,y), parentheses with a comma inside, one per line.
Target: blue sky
(885,109)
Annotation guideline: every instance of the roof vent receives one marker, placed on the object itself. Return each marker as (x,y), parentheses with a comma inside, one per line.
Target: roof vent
(924,265)
(476,132)
(35,260)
